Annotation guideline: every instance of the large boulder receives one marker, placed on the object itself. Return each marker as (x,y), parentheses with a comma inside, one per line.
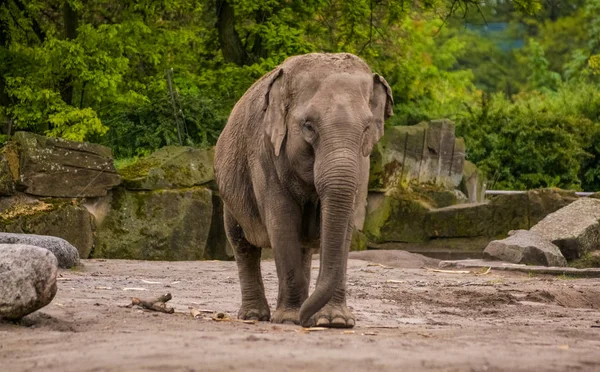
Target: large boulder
(60,168)
(542,202)
(157,225)
(65,219)
(425,153)
(498,216)
(27,279)
(170,167)
(575,229)
(397,216)
(494,218)
(66,255)
(525,247)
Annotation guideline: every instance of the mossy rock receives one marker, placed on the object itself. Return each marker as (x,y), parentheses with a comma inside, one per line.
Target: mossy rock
(460,221)
(589,260)
(7,185)
(54,167)
(439,196)
(170,167)
(397,215)
(489,219)
(157,225)
(359,241)
(65,219)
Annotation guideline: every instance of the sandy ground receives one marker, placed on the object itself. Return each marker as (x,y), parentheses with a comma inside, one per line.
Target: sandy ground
(408,319)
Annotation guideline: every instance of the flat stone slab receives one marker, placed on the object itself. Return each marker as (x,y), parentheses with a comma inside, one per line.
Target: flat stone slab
(505,266)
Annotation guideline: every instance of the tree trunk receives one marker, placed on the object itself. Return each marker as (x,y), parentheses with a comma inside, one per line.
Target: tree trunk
(231,44)
(35,25)
(71,23)
(4,99)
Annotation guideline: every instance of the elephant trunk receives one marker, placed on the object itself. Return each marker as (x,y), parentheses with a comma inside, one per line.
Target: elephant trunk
(336,180)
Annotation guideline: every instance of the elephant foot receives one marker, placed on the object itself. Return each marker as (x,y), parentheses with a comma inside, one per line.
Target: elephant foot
(286,316)
(254,312)
(333,316)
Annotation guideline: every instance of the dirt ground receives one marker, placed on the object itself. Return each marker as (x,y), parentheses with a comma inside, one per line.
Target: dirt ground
(408,319)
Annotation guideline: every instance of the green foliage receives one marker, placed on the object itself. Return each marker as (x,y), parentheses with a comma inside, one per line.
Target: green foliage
(99,71)
(539,140)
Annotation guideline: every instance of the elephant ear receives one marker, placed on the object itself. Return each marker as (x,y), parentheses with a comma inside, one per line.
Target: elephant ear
(382,104)
(274,118)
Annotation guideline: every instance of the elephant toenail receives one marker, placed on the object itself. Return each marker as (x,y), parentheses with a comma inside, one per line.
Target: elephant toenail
(338,321)
(322,322)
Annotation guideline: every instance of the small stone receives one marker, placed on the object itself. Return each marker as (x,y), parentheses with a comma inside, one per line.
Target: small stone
(525,247)
(27,279)
(66,254)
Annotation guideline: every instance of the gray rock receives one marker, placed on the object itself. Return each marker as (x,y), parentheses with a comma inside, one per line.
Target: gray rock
(525,247)
(66,255)
(158,225)
(7,185)
(473,183)
(428,152)
(171,167)
(27,279)
(575,229)
(63,219)
(60,168)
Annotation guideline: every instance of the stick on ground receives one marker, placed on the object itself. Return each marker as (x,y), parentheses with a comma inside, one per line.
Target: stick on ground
(158,304)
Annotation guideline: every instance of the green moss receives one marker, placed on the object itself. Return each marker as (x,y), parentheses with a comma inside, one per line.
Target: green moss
(11,153)
(399,215)
(157,225)
(359,241)
(375,220)
(138,169)
(589,260)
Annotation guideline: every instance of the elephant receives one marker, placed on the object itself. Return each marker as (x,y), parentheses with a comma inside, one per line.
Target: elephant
(291,165)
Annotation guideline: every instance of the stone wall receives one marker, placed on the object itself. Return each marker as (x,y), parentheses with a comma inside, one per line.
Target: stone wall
(164,206)
(423,196)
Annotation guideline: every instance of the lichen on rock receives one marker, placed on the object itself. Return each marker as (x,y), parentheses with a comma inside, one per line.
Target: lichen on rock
(170,167)
(156,225)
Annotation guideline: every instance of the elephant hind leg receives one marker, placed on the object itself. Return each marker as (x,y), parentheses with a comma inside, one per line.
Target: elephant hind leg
(247,256)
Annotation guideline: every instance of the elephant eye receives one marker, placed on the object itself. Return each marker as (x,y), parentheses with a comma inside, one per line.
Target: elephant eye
(308,132)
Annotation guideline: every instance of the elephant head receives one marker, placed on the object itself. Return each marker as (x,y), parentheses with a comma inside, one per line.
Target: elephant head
(324,120)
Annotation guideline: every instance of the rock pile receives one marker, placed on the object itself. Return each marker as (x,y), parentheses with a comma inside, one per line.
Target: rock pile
(570,233)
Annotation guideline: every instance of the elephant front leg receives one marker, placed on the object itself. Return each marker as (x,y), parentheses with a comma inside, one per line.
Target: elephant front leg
(336,314)
(293,272)
(247,257)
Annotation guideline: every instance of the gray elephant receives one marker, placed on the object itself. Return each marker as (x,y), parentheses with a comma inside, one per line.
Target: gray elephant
(292,166)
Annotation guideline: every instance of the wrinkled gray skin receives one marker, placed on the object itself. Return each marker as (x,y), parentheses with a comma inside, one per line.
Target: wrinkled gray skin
(292,162)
